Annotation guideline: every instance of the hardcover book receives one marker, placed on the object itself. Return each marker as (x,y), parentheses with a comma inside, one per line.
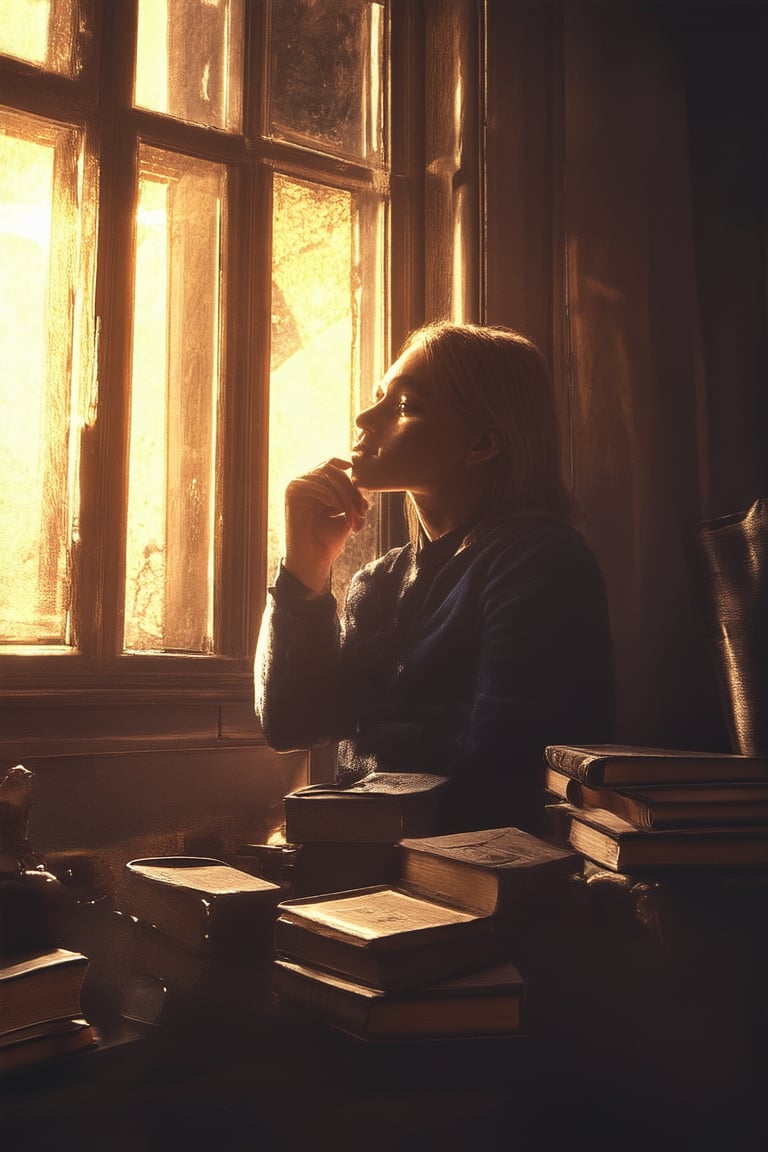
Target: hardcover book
(202,903)
(384,937)
(439,920)
(490,871)
(668,805)
(487,1002)
(41,987)
(28,1048)
(620,764)
(382,806)
(619,846)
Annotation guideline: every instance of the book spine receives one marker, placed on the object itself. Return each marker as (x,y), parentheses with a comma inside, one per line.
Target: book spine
(175,911)
(629,808)
(575,763)
(343,1010)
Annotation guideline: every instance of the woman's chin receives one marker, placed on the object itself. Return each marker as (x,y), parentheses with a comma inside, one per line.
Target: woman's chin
(360,475)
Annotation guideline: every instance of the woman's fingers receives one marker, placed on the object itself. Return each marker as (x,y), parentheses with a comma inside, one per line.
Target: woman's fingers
(329,486)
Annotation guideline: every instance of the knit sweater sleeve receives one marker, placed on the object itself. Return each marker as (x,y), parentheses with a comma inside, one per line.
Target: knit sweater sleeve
(296,673)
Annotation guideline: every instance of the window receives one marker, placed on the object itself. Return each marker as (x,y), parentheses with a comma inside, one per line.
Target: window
(196,242)
(217,220)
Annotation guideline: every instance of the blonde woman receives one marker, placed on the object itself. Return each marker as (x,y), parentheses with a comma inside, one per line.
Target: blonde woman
(487,637)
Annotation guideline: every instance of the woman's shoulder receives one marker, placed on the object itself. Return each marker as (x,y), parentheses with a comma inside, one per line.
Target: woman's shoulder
(536,542)
(529,529)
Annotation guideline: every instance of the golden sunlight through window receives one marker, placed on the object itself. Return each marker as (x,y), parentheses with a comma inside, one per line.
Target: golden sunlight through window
(38,31)
(38,170)
(174,403)
(316,343)
(189,60)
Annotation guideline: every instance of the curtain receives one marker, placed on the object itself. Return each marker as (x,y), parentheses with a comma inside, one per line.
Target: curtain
(608,242)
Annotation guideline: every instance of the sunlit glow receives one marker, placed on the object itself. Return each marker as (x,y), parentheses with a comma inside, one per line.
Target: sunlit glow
(315,381)
(24,29)
(174,402)
(319,325)
(151,89)
(31,585)
(191,71)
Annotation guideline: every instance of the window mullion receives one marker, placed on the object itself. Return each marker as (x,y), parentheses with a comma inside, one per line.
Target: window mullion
(242,497)
(104,455)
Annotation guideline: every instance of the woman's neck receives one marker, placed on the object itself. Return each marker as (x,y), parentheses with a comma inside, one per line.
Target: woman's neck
(438,520)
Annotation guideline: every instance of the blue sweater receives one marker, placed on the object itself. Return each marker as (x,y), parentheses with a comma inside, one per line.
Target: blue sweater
(464,657)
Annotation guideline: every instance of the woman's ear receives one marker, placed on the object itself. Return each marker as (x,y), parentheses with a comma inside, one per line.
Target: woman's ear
(484,447)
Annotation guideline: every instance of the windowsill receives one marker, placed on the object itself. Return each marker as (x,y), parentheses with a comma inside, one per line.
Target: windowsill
(107,715)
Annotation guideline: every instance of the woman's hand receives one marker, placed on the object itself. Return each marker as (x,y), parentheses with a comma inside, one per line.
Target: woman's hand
(321,509)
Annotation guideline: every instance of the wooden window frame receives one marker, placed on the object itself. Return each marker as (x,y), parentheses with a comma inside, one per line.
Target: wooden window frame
(433,187)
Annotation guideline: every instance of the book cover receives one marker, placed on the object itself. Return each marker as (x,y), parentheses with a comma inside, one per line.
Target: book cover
(39,987)
(668,805)
(384,937)
(485,1002)
(382,806)
(619,846)
(203,903)
(488,871)
(607,764)
(64,1038)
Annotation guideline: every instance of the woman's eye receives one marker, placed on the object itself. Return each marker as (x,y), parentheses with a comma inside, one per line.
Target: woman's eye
(405,407)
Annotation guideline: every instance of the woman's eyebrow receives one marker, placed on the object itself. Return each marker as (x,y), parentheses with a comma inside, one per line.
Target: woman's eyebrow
(399,382)
(402,381)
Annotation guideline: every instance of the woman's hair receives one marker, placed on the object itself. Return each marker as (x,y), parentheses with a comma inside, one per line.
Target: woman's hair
(499,381)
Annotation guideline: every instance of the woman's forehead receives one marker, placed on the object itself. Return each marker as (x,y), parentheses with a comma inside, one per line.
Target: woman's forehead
(411,366)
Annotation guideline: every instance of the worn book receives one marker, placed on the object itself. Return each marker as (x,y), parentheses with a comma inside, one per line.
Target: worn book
(621,764)
(41,987)
(384,937)
(619,846)
(490,871)
(382,806)
(486,1002)
(29,1047)
(202,903)
(668,805)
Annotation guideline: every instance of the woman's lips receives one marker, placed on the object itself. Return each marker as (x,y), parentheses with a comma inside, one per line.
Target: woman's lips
(364,451)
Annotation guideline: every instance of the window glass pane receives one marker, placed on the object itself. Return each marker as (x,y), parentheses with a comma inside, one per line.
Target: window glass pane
(174,401)
(189,60)
(326,341)
(38,31)
(38,240)
(327,69)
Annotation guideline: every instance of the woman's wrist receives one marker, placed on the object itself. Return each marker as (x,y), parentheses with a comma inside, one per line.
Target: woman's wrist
(317,581)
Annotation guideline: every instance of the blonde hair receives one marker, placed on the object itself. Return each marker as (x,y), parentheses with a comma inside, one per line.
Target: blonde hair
(499,380)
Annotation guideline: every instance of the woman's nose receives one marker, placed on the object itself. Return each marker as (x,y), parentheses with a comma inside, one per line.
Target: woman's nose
(366,420)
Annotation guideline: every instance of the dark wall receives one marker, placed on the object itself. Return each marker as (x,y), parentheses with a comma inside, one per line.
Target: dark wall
(626,234)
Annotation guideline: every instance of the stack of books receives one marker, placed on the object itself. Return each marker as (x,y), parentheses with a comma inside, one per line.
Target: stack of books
(423,958)
(632,808)
(345,836)
(40,1010)
(201,945)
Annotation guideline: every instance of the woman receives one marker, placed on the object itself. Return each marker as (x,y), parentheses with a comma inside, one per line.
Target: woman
(468,650)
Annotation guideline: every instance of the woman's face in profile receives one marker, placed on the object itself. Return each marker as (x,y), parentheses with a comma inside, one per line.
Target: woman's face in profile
(411,439)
